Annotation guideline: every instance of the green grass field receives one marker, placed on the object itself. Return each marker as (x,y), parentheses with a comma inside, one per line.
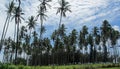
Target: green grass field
(82,66)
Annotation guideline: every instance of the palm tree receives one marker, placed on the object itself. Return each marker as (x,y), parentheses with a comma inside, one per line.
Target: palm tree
(73,41)
(64,7)
(7,50)
(83,39)
(114,37)
(44,4)
(27,46)
(54,38)
(10,9)
(47,48)
(31,23)
(80,43)
(85,32)
(96,38)
(62,31)
(104,37)
(91,42)
(18,16)
(67,47)
(35,47)
(41,14)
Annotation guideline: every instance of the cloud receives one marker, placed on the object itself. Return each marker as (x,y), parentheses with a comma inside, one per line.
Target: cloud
(84,12)
(116,27)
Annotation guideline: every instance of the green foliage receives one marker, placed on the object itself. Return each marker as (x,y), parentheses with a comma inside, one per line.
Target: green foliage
(3,66)
(21,67)
(53,67)
(90,67)
(11,67)
(110,65)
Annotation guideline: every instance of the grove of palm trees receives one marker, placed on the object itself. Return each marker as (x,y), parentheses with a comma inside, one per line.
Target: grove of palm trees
(30,47)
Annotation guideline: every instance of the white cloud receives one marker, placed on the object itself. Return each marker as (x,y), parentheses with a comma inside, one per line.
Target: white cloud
(116,27)
(83,12)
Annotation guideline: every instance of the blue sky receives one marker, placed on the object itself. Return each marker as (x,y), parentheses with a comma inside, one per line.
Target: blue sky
(84,12)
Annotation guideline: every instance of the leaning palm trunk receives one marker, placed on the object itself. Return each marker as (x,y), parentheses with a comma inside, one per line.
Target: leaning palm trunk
(3,32)
(6,29)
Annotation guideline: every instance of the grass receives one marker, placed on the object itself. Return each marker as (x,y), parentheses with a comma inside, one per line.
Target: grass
(82,66)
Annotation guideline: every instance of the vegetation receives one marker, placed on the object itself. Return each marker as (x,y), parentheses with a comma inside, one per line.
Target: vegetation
(85,66)
(29,47)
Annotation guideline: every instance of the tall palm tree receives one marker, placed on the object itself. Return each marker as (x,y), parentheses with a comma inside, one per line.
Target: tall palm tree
(80,43)
(73,41)
(67,47)
(96,38)
(104,37)
(114,37)
(64,7)
(31,23)
(35,47)
(83,39)
(41,12)
(91,42)
(85,32)
(54,38)
(47,48)
(7,50)
(17,16)
(42,15)
(10,9)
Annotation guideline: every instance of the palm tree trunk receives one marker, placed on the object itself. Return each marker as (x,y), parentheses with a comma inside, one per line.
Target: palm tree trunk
(3,32)
(41,41)
(17,43)
(95,59)
(60,22)
(14,33)
(6,29)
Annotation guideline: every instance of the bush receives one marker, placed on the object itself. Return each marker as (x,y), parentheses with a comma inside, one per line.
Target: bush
(90,67)
(11,67)
(110,65)
(67,68)
(3,66)
(53,67)
(21,67)
(74,67)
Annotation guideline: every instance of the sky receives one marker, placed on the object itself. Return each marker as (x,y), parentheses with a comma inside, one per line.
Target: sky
(84,12)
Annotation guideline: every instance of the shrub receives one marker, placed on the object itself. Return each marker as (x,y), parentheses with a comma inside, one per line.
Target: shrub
(11,67)
(3,66)
(21,67)
(90,67)
(74,67)
(110,65)
(53,67)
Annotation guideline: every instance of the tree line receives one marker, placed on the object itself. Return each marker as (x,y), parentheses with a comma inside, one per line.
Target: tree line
(29,47)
